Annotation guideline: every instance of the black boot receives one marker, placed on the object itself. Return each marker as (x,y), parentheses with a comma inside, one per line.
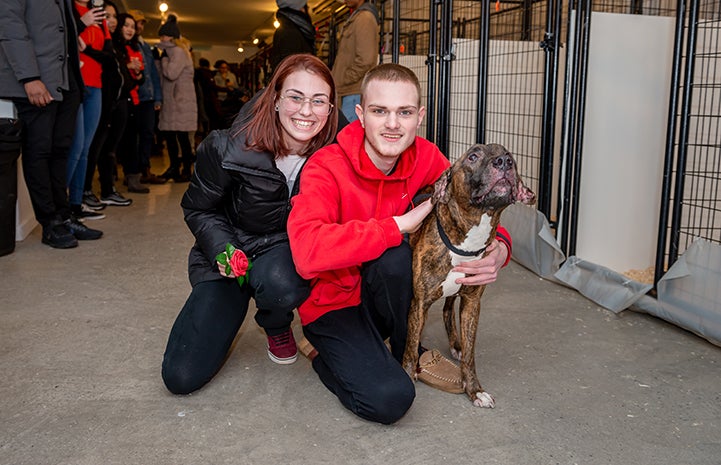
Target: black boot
(171,173)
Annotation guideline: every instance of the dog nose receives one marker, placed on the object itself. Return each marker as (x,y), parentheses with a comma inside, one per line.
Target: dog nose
(503,163)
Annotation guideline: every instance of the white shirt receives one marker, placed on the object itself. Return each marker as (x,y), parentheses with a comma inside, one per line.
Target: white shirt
(290,167)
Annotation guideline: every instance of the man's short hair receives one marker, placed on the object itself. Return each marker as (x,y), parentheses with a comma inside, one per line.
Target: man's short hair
(204,63)
(390,72)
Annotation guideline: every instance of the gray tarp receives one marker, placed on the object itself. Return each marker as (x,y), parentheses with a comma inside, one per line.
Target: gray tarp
(688,295)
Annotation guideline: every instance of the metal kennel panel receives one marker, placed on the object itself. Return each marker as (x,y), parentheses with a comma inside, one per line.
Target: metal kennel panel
(692,175)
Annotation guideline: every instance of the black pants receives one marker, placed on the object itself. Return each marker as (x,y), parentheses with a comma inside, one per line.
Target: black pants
(353,361)
(128,154)
(146,128)
(206,326)
(105,144)
(182,138)
(47,136)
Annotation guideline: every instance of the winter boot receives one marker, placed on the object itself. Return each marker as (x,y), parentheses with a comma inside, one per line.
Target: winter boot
(134,184)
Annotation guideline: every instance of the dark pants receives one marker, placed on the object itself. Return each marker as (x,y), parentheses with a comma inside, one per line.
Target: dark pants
(128,154)
(206,326)
(146,132)
(105,144)
(182,138)
(47,136)
(353,362)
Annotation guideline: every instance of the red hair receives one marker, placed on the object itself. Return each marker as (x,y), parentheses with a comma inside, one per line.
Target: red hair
(263,128)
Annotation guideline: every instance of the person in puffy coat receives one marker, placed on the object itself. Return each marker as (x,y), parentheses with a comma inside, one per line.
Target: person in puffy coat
(240,194)
(179,113)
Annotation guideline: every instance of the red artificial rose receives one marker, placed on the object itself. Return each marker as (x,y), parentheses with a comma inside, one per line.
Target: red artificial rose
(238,263)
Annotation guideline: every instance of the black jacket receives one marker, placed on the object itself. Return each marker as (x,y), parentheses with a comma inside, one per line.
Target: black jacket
(296,34)
(236,196)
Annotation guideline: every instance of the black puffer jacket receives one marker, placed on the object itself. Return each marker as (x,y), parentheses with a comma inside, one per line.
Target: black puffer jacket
(236,196)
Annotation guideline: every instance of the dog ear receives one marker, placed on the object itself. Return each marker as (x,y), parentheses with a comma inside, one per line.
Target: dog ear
(441,193)
(524,194)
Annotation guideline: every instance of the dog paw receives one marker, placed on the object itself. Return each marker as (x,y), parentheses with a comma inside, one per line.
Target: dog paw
(456,353)
(484,400)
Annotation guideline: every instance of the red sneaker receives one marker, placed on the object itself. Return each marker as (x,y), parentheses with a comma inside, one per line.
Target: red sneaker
(282,348)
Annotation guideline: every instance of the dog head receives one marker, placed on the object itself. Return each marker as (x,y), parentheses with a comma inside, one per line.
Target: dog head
(489,174)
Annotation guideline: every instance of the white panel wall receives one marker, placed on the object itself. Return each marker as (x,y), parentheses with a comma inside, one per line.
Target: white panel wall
(626,114)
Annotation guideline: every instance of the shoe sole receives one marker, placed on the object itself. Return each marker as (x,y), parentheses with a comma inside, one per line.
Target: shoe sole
(116,204)
(92,217)
(67,245)
(95,207)
(282,361)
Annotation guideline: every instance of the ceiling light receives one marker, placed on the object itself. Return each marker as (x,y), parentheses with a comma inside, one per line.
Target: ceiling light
(255,41)
(163,7)
(276,24)
(240,49)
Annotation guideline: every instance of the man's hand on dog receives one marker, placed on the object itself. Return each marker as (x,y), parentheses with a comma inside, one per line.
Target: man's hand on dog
(411,221)
(484,270)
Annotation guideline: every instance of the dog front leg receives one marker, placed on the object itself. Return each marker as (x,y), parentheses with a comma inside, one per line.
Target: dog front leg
(416,320)
(449,319)
(469,313)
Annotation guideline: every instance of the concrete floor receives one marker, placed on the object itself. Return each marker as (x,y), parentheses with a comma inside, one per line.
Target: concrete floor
(82,334)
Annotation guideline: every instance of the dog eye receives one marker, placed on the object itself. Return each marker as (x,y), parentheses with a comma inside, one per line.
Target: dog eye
(473,157)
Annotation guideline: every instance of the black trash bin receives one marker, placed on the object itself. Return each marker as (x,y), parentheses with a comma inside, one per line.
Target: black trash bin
(10,142)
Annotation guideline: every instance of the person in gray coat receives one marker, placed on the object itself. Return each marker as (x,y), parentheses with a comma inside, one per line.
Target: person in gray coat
(179,113)
(40,74)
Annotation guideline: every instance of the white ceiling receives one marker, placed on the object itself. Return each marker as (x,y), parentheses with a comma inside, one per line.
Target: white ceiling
(212,22)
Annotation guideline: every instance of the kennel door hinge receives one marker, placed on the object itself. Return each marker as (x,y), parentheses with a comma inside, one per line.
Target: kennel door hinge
(451,55)
(548,43)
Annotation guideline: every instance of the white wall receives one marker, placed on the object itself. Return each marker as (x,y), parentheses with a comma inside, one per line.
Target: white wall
(630,60)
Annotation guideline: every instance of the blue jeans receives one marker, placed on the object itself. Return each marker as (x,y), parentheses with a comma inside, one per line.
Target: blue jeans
(353,361)
(347,106)
(85,126)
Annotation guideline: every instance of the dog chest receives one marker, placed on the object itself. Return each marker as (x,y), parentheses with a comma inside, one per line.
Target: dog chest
(475,239)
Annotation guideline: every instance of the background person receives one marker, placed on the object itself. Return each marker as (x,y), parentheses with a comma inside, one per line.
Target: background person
(240,194)
(117,83)
(126,41)
(179,113)
(46,93)
(296,33)
(150,100)
(357,53)
(94,34)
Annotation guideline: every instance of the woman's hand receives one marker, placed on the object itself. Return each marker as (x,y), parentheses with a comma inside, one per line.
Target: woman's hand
(484,270)
(411,221)
(134,64)
(221,269)
(93,16)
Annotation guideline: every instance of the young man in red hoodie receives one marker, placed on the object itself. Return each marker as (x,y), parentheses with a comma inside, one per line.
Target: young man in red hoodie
(346,231)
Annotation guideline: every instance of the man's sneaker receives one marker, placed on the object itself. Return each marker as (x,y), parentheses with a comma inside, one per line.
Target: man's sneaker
(80,231)
(57,235)
(116,199)
(92,201)
(282,348)
(82,212)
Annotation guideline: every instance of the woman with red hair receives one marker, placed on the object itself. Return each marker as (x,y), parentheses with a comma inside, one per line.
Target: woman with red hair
(240,194)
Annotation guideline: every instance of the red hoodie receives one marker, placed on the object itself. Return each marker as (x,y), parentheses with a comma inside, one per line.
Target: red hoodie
(342,216)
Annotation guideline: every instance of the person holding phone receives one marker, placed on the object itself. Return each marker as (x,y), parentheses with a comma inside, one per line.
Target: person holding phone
(93,32)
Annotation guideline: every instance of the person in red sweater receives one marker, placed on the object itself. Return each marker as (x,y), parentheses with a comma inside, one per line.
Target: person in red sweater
(346,229)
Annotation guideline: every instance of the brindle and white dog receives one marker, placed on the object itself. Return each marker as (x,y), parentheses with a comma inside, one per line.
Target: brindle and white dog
(469,198)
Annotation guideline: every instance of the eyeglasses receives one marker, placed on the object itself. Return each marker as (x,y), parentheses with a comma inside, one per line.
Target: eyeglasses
(319,105)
